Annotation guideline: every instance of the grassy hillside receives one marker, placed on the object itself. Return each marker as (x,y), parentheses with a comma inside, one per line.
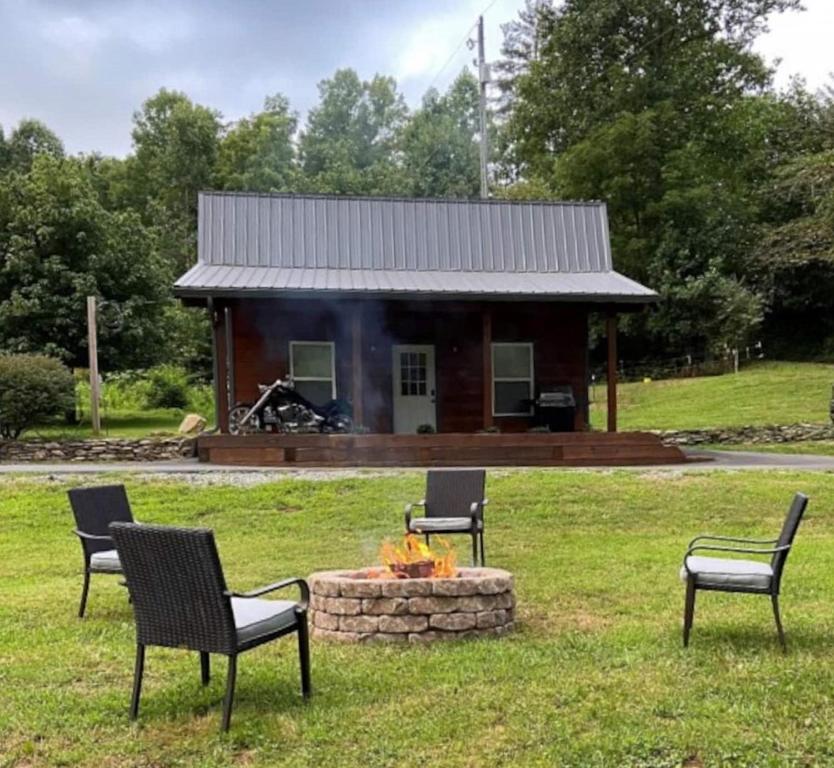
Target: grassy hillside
(764,393)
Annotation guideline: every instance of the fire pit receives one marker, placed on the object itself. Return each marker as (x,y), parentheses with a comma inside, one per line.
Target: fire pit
(416,596)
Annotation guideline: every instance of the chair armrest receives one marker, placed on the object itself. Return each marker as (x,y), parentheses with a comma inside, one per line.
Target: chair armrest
(738,550)
(476,509)
(409,508)
(302,586)
(736,539)
(90,536)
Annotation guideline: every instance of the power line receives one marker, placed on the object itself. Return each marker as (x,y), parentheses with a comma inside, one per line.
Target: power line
(459,46)
(451,58)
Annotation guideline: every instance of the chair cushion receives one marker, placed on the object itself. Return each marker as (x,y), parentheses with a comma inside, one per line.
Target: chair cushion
(720,572)
(440,524)
(106,560)
(255,618)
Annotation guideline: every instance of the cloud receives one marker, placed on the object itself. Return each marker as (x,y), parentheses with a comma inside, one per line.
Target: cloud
(74,32)
(84,66)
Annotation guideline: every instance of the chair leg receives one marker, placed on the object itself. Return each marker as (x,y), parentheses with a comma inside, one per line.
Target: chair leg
(474,549)
(84,591)
(138,671)
(428,540)
(230,693)
(205,667)
(781,632)
(483,557)
(304,653)
(689,610)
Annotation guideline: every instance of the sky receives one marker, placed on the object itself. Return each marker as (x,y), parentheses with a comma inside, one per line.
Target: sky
(83,68)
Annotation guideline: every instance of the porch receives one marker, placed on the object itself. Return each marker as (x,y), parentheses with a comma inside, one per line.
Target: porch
(403,364)
(575,449)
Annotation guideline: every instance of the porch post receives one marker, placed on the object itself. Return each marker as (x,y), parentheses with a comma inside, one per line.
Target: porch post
(486,320)
(214,320)
(611,332)
(356,366)
(231,392)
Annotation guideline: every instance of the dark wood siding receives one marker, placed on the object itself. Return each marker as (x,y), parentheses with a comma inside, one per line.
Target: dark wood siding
(263,328)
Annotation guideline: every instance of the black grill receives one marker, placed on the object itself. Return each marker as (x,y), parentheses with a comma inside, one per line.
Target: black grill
(555,408)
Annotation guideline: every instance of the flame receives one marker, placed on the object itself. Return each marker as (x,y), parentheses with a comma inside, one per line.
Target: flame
(415,559)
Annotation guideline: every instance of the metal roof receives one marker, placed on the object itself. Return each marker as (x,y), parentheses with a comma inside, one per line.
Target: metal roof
(266,244)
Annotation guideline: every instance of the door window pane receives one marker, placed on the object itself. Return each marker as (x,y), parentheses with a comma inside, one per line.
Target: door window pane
(413,373)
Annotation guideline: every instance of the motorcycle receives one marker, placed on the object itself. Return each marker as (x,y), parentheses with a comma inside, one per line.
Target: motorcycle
(280,408)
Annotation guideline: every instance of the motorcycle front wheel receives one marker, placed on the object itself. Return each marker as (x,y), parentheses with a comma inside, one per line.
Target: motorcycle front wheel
(236,423)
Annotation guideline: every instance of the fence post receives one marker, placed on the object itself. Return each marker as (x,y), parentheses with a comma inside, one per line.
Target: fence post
(92,348)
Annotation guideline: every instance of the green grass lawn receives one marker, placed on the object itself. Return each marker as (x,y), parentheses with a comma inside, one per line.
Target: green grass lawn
(138,423)
(764,393)
(807,447)
(594,675)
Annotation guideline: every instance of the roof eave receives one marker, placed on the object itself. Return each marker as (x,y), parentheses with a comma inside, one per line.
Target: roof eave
(187,292)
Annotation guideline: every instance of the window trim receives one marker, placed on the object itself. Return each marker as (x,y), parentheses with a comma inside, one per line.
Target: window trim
(331,379)
(500,379)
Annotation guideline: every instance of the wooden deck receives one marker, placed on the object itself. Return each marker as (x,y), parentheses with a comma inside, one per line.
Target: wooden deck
(570,449)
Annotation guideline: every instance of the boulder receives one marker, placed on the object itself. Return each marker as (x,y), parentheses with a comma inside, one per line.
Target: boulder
(192,424)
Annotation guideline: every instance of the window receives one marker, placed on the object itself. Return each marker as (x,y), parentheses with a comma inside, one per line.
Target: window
(313,368)
(412,373)
(512,379)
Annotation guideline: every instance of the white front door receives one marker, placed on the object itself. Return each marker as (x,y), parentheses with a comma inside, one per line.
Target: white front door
(414,390)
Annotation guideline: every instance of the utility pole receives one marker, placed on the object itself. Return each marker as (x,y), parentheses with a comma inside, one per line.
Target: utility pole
(92,349)
(483,79)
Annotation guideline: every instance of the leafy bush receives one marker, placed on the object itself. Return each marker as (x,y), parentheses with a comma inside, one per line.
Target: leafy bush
(425,429)
(167,387)
(32,388)
(130,391)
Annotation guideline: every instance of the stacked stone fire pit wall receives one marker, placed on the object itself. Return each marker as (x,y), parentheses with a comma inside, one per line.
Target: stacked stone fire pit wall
(479,602)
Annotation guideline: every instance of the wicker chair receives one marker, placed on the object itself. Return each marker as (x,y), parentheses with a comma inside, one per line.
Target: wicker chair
(454,503)
(180,600)
(94,509)
(733,575)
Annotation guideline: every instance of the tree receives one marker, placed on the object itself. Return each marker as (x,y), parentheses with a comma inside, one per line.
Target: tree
(257,153)
(601,58)
(176,144)
(795,256)
(28,140)
(661,109)
(4,151)
(522,43)
(58,245)
(348,143)
(439,143)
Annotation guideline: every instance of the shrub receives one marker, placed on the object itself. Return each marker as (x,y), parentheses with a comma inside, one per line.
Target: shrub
(425,429)
(33,388)
(167,387)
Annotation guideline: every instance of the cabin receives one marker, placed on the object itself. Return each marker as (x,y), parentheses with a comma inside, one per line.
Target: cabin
(448,317)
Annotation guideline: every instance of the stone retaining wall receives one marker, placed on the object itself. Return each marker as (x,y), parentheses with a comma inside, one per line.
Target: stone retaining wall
(788,433)
(479,602)
(96,449)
